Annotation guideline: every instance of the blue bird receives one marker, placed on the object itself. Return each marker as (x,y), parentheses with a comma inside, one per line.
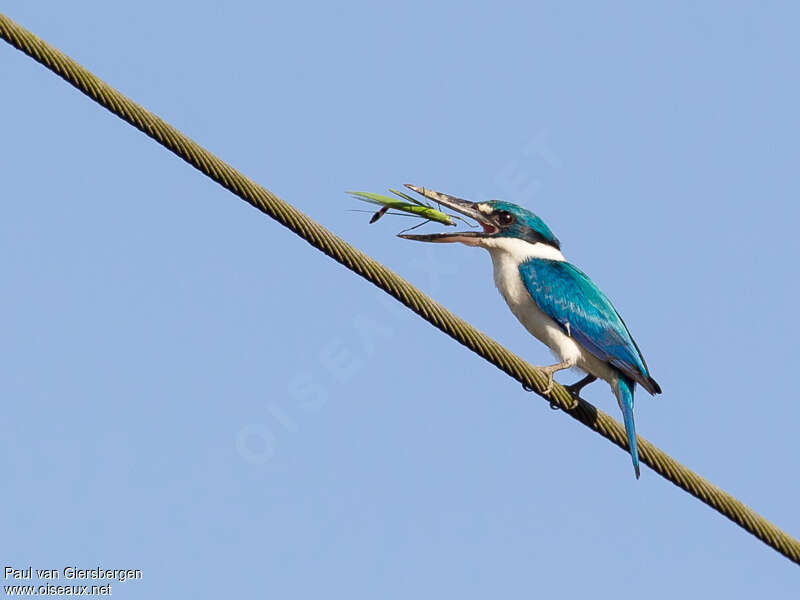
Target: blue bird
(554,300)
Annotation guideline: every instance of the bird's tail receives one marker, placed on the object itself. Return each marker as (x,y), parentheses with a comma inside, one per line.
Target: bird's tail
(625,388)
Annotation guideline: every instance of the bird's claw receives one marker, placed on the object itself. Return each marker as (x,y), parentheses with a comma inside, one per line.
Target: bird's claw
(573,390)
(549,389)
(546,391)
(574,393)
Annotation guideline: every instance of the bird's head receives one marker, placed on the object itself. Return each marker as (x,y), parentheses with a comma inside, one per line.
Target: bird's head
(500,220)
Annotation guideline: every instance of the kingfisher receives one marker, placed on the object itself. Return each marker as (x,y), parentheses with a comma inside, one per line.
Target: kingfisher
(555,301)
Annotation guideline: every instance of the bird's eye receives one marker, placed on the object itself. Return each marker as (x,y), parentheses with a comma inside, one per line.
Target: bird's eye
(505,218)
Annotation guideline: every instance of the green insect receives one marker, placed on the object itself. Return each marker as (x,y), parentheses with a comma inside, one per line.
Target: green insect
(408,206)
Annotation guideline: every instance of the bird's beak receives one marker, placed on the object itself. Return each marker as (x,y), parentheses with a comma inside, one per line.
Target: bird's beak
(468,209)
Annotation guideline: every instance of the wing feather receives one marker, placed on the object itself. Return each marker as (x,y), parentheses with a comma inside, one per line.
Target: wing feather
(584,312)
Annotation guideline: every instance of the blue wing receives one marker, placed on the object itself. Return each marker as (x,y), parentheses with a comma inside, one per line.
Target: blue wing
(584,312)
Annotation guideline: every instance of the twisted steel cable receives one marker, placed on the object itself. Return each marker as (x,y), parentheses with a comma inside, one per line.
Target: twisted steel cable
(393,284)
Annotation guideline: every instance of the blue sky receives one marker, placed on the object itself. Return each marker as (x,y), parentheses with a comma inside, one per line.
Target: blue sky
(193,391)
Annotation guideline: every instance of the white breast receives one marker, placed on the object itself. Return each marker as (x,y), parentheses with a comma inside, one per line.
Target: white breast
(507,254)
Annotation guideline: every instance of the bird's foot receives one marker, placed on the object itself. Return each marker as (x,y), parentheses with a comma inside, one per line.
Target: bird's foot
(574,397)
(547,391)
(548,372)
(575,389)
(548,388)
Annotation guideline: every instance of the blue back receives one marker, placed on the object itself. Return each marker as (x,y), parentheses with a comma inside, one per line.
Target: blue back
(571,299)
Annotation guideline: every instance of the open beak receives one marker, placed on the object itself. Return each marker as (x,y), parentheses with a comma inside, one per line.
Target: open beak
(468,209)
